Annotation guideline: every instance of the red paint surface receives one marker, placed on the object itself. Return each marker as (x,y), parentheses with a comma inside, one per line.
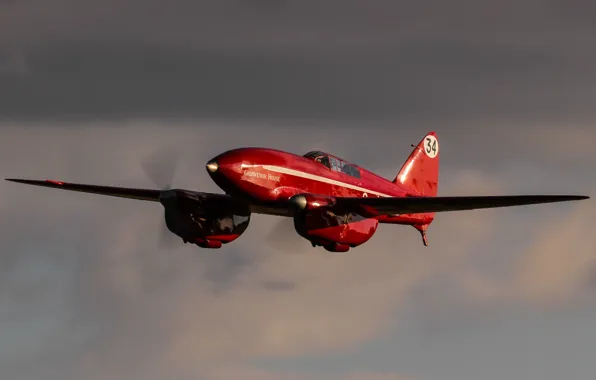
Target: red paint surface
(262,176)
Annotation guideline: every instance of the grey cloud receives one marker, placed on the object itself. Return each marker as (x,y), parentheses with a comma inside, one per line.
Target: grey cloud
(461,64)
(224,268)
(14,65)
(437,83)
(279,285)
(548,267)
(256,374)
(305,24)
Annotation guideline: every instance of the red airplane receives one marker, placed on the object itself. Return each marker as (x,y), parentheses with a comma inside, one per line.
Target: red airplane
(333,203)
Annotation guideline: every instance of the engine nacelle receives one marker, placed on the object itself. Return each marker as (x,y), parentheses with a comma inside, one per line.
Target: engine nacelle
(335,232)
(207,222)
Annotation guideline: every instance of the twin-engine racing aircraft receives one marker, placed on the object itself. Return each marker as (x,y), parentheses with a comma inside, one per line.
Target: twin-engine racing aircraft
(334,204)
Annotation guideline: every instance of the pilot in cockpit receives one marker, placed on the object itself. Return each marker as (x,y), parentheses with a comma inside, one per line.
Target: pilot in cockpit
(324,160)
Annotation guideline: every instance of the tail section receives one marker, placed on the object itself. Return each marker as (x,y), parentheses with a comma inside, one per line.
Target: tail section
(420,174)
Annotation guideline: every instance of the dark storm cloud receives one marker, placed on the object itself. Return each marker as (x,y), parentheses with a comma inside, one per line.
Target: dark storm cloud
(339,61)
(308,25)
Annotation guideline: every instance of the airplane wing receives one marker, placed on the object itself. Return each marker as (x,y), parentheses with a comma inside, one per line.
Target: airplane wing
(370,206)
(415,205)
(121,192)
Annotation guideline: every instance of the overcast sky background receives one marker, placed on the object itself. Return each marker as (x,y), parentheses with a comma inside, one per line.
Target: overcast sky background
(88,89)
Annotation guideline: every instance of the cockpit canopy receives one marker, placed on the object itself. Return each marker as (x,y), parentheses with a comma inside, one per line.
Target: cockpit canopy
(333,163)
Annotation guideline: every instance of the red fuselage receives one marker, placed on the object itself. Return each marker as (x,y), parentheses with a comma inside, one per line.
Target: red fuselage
(263,177)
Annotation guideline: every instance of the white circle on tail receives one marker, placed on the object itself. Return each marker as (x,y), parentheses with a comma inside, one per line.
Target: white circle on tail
(431,146)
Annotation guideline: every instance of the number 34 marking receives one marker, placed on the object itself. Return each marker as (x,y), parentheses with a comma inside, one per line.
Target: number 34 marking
(431,148)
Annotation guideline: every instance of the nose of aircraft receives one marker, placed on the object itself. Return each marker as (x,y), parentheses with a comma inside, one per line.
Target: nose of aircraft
(225,164)
(212,166)
(226,169)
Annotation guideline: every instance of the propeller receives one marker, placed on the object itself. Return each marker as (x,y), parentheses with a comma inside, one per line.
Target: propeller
(160,168)
(283,237)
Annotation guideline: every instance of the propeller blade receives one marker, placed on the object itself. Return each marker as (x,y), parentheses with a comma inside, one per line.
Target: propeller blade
(160,167)
(283,237)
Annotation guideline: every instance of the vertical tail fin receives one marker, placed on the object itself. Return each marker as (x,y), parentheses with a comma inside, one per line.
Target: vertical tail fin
(420,175)
(420,172)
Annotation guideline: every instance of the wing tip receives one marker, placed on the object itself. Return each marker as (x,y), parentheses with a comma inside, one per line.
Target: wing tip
(576,197)
(35,182)
(17,180)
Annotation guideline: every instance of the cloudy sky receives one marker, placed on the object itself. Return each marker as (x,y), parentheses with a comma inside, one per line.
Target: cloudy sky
(88,89)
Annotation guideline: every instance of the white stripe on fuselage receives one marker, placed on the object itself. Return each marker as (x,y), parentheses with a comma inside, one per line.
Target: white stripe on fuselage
(314,177)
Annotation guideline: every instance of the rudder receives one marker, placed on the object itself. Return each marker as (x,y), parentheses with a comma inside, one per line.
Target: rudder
(420,172)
